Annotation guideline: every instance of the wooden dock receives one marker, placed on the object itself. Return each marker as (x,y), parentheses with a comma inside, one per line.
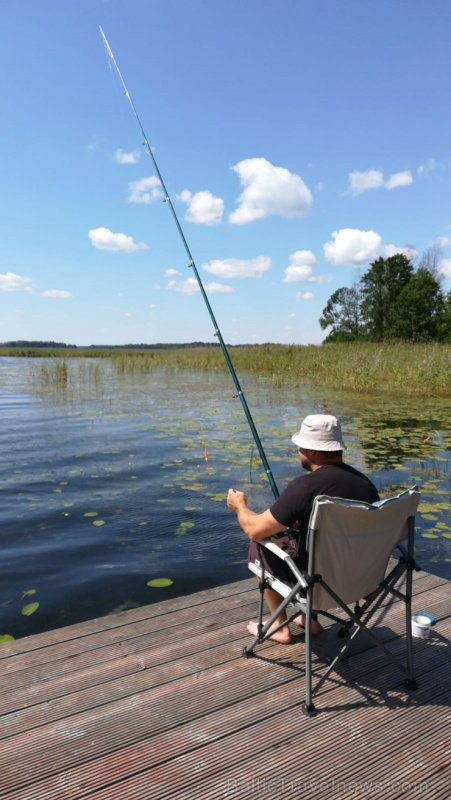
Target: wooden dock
(158,702)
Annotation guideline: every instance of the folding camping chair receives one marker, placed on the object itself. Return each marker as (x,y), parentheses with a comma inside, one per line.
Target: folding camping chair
(349,544)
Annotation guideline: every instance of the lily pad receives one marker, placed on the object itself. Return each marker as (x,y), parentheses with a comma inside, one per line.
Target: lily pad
(159,583)
(99,522)
(28,610)
(6,637)
(183,527)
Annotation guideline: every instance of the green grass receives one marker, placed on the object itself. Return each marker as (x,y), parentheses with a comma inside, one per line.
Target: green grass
(420,370)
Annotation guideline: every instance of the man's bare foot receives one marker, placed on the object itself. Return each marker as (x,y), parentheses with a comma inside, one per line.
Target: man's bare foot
(282,637)
(315,627)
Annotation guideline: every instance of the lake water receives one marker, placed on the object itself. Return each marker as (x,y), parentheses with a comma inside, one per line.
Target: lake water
(114,481)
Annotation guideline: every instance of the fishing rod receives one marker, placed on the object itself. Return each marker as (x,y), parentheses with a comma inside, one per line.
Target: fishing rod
(192,265)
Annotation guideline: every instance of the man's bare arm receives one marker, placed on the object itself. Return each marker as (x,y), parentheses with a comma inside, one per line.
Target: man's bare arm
(255,526)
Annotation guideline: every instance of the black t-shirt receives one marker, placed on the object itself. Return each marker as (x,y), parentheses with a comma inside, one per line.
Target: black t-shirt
(294,505)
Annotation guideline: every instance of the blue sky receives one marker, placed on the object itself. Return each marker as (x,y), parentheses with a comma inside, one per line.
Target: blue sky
(298,141)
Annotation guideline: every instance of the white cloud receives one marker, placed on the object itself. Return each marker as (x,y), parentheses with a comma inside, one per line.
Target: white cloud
(104,239)
(144,190)
(391,250)
(399,179)
(217,288)
(56,293)
(444,241)
(268,190)
(300,266)
(300,269)
(426,168)
(351,246)
(444,268)
(203,207)
(10,282)
(304,296)
(171,273)
(359,182)
(356,247)
(127,158)
(239,268)
(191,286)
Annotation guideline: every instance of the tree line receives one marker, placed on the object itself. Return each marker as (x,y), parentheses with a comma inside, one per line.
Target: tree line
(391,301)
(60,345)
(35,343)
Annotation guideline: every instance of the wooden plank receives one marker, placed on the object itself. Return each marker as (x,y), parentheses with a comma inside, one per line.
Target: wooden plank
(204,757)
(39,651)
(173,710)
(121,662)
(139,716)
(177,621)
(73,674)
(114,621)
(423,581)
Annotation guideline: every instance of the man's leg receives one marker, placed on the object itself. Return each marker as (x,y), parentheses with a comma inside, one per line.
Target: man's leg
(273,601)
(315,626)
(273,564)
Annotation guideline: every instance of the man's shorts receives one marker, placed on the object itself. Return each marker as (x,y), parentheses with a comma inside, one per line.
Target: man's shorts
(273,563)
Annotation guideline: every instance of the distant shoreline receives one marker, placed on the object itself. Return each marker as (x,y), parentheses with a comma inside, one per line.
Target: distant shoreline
(364,368)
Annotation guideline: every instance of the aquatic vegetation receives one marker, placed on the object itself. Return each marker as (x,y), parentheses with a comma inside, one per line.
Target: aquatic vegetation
(420,370)
(160,583)
(183,528)
(362,367)
(55,373)
(29,609)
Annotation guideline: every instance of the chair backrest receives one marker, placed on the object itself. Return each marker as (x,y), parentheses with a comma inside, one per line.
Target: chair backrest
(350,543)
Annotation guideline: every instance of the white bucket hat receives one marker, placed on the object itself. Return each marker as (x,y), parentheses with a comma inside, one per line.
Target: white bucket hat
(319,432)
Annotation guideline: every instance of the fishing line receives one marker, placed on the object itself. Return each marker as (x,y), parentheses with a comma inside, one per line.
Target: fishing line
(192,266)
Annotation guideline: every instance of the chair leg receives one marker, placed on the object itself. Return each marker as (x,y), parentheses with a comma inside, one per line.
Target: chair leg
(308,708)
(409,682)
(248,650)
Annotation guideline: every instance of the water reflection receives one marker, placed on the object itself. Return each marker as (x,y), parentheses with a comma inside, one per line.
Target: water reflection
(105,485)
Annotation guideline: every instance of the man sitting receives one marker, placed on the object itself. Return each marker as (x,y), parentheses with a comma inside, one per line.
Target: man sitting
(320,444)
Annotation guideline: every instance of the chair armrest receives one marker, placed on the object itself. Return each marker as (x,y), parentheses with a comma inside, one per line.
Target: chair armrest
(274,548)
(281,588)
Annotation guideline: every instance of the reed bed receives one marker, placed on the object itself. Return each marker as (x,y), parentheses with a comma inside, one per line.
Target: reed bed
(51,373)
(60,374)
(420,370)
(364,368)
